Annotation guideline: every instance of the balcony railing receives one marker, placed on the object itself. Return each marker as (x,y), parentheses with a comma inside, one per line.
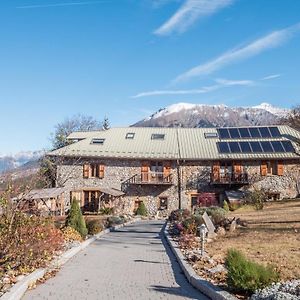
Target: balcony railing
(151,178)
(229,178)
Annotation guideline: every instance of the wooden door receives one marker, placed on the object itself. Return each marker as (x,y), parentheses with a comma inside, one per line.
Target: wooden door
(216,171)
(263,168)
(167,170)
(145,171)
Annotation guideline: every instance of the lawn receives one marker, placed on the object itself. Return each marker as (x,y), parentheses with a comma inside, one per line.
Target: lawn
(272,237)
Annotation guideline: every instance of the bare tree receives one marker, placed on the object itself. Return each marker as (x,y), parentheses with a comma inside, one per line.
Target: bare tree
(69,125)
(105,123)
(293,118)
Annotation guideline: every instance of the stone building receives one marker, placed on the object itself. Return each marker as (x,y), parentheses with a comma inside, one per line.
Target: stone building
(168,168)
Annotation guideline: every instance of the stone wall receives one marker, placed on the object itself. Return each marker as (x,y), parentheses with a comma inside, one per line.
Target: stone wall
(117,172)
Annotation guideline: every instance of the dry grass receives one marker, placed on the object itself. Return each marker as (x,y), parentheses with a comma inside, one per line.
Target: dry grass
(272,237)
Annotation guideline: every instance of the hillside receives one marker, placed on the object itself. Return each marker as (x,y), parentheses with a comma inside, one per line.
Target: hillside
(202,115)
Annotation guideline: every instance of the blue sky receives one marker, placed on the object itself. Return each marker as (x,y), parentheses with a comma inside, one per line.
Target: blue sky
(128,58)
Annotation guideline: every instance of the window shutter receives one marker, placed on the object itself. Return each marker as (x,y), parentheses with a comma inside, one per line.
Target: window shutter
(101,171)
(263,169)
(86,170)
(167,169)
(280,168)
(216,171)
(237,167)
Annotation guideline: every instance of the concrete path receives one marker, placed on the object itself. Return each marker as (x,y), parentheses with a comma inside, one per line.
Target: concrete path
(131,263)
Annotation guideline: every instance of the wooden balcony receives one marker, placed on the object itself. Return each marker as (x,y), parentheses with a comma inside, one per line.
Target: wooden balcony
(151,178)
(229,179)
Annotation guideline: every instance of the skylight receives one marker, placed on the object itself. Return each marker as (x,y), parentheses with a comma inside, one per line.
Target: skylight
(157,136)
(97,141)
(130,135)
(209,135)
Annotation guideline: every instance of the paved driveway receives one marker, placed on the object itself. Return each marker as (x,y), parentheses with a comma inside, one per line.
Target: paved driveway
(131,263)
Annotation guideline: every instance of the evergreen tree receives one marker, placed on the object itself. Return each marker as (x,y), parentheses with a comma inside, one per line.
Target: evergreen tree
(105,124)
(142,210)
(75,219)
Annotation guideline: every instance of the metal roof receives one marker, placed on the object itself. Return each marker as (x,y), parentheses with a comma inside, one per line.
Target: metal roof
(43,193)
(178,143)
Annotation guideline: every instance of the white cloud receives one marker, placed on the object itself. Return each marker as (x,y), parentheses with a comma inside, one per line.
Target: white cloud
(189,13)
(272,40)
(60,4)
(220,83)
(273,76)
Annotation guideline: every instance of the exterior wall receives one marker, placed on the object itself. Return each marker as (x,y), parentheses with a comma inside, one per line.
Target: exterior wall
(194,178)
(117,172)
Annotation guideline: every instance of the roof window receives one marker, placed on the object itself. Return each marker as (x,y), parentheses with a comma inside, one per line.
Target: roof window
(157,136)
(209,135)
(130,135)
(97,141)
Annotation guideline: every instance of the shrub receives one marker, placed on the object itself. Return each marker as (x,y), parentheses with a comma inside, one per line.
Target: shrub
(179,215)
(70,234)
(234,206)
(226,206)
(256,198)
(217,214)
(75,219)
(27,242)
(94,227)
(191,224)
(114,221)
(106,211)
(247,276)
(142,210)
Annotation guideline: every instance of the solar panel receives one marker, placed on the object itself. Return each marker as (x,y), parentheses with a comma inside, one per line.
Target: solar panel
(256,147)
(223,147)
(244,133)
(277,146)
(254,132)
(264,132)
(275,132)
(288,147)
(223,133)
(266,146)
(234,133)
(245,147)
(234,147)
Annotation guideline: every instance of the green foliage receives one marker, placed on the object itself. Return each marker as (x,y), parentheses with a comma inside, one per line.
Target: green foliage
(226,206)
(217,214)
(105,123)
(75,219)
(191,224)
(112,221)
(234,206)
(257,198)
(106,211)
(142,210)
(247,276)
(94,227)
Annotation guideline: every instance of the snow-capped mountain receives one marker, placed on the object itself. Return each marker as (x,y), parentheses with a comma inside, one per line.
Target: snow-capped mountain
(11,162)
(202,115)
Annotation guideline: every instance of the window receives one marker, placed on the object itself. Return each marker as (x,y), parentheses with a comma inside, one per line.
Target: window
(272,167)
(97,141)
(209,135)
(157,136)
(163,203)
(130,135)
(93,170)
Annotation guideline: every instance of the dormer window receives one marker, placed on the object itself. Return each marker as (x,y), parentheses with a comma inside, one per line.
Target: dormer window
(97,141)
(157,136)
(130,135)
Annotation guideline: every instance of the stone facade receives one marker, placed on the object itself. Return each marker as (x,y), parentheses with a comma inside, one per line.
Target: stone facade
(188,178)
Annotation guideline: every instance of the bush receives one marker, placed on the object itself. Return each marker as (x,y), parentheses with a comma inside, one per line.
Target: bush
(94,227)
(247,276)
(234,206)
(106,211)
(226,206)
(112,221)
(217,214)
(142,210)
(188,241)
(27,242)
(179,215)
(256,198)
(75,219)
(71,235)
(191,224)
